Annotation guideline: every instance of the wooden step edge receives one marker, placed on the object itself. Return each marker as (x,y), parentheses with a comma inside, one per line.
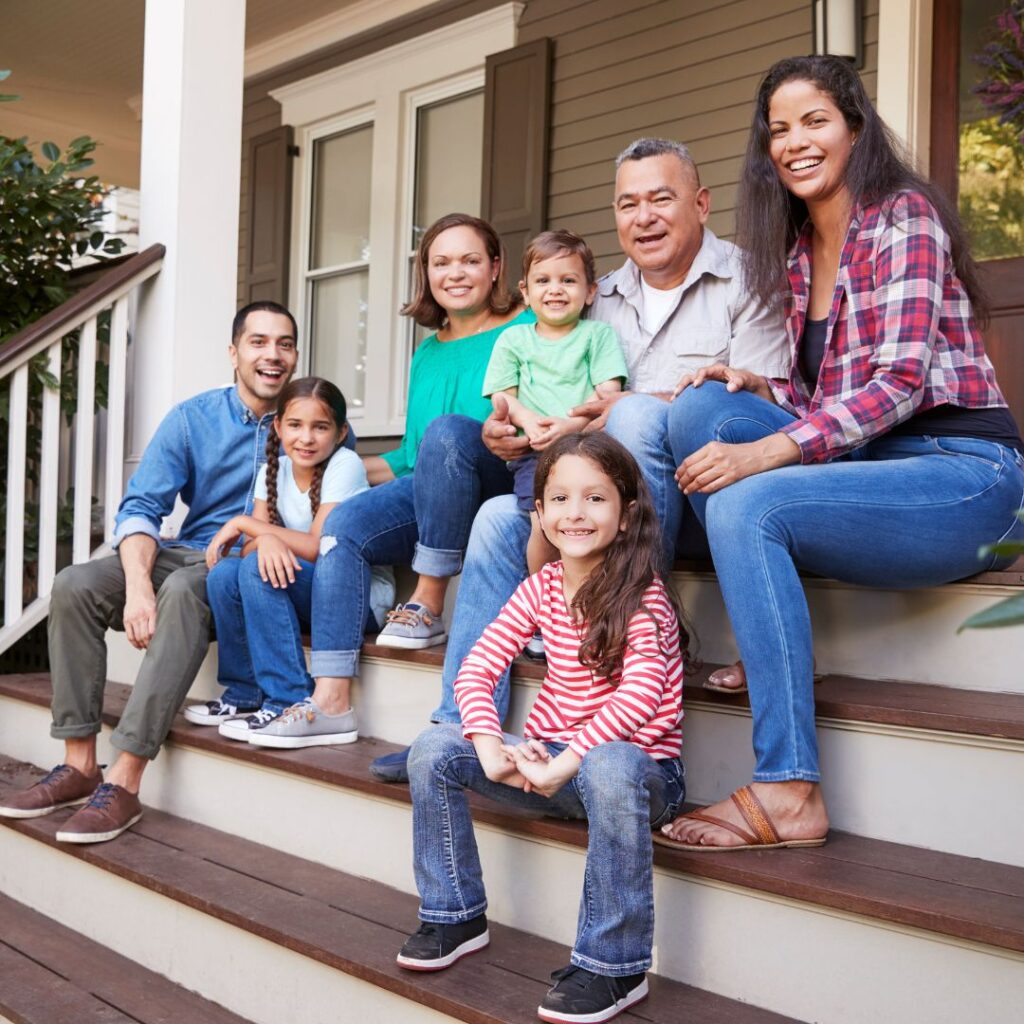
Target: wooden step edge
(51,973)
(839,697)
(948,894)
(351,924)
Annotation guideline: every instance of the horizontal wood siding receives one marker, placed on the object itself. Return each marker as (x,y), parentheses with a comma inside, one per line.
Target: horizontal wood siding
(685,69)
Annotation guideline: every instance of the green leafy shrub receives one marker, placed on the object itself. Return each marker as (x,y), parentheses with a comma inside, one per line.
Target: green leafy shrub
(1009,612)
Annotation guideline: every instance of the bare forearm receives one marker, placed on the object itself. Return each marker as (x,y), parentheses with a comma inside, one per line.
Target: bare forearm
(305,545)
(377,470)
(138,554)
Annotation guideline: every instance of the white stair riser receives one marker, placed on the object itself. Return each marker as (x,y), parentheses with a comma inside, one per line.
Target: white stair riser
(256,978)
(850,970)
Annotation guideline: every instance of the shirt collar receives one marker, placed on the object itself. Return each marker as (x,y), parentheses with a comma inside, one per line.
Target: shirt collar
(713,257)
(241,411)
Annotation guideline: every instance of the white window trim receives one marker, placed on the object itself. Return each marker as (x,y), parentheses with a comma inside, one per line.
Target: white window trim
(905,74)
(384,83)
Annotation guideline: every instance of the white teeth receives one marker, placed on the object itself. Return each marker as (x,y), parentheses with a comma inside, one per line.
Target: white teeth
(800,165)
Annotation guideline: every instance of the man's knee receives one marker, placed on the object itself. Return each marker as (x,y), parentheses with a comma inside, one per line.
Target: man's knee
(638,419)
(183,586)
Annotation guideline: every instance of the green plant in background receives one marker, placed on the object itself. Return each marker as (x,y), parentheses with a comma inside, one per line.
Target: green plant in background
(992,188)
(1009,612)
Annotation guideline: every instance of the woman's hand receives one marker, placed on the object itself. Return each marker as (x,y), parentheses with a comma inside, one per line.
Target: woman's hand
(277,563)
(718,464)
(223,541)
(732,377)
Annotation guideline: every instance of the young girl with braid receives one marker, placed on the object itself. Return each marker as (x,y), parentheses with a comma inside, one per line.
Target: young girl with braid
(261,601)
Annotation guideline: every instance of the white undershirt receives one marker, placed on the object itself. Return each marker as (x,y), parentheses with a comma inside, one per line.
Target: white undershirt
(658,305)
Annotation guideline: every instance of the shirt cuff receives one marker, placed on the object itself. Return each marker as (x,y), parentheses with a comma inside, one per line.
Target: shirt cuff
(131,525)
(808,438)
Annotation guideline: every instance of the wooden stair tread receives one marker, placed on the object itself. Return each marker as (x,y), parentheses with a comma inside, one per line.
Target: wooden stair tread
(348,923)
(879,701)
(963,897)
(51,973)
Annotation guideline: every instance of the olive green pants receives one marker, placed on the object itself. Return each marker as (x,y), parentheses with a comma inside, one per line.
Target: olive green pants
(87,600)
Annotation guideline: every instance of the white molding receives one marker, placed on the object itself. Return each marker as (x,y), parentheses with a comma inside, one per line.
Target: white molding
(332,28)
(905,73)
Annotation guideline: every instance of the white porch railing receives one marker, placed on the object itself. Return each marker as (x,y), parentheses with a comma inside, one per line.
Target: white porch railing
(114,292)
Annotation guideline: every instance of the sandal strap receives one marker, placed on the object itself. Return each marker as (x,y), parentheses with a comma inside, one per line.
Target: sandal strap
(755,816)
(727,825)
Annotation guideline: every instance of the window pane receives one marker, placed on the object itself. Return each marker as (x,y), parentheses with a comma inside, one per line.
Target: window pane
(991,154)
(449,156)
(339,334)
(341,198)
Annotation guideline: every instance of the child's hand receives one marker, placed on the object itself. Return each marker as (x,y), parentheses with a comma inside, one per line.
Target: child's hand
(499,767)
(278,564)
(222,543)
(544,775)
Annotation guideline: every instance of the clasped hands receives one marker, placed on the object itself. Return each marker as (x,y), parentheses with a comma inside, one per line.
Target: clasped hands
(277,562)
(528,765)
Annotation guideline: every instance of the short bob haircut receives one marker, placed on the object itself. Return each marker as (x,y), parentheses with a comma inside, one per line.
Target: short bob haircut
(550,244)
(423,307)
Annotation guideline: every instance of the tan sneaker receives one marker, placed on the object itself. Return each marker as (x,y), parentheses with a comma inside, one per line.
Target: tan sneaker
(111,810)
(63,787)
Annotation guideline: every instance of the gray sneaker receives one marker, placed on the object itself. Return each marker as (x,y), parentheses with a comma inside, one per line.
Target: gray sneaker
(412,626)
(305,725)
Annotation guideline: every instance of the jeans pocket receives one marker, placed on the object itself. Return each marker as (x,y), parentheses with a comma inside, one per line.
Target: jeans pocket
(990,452)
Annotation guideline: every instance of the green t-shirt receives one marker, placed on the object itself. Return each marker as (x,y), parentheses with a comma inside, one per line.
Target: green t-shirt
(445,377)
(554,376)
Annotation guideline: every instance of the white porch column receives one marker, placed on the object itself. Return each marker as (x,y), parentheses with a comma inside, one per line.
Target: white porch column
(905,73)
(191,157)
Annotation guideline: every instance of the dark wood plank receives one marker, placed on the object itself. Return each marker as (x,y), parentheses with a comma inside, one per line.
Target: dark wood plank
(354,925)
(108,985)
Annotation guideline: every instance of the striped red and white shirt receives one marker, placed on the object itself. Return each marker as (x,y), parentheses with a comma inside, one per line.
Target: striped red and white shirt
(644,705)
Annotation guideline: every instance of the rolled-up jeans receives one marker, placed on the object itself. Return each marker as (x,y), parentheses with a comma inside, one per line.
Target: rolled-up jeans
(899,512)
(619,790)
(424,517)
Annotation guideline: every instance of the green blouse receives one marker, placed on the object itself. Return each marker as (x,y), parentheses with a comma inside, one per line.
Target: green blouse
(446,377)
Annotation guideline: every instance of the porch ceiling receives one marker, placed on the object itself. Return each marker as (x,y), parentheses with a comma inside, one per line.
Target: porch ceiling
(78,69)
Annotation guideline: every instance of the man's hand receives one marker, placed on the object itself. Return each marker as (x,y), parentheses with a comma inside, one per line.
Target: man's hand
(732,377)
(277,563)
(597,410)
(499,433)
(222,543)
(718,464)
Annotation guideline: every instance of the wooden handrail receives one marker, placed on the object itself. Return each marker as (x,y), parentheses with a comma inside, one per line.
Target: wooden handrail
(67,312)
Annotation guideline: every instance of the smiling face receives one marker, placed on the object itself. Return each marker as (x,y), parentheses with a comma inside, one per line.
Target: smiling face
(581,512)
(810,142)
(264,358)
(557,291)
(660,212)
(308,434)
(459,271)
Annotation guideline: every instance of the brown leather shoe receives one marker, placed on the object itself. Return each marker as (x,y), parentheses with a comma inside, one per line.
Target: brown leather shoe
(111,810)
(63,787)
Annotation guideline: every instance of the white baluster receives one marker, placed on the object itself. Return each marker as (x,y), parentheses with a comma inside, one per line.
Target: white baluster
(115,412)
(16,451)
(84,428)
(49,498)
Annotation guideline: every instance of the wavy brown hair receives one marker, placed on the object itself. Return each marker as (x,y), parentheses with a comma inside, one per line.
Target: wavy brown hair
(613,592)
(423,307)
(331,398)
(769,217)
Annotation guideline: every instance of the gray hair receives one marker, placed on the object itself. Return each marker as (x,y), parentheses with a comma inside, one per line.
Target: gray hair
(641,149)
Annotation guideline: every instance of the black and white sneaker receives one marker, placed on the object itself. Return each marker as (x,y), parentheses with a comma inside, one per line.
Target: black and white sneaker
(437,946)
(213,712)
(581,996)
(242,726)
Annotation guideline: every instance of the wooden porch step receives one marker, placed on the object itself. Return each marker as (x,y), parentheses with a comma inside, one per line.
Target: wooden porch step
(350,924)
(50,974)
(965,898)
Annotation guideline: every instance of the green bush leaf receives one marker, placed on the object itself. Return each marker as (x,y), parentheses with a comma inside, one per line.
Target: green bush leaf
(51,151)
(1006,613)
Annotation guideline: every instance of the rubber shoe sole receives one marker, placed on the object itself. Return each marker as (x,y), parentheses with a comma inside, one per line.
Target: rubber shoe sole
(630,999)
(96,837)
(474,945)
(411,643)
(296,742)
(39,812)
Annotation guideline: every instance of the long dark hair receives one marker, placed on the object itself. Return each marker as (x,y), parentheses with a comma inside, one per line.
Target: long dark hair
(614,591)
(769,217)
(423,307)
(328,395)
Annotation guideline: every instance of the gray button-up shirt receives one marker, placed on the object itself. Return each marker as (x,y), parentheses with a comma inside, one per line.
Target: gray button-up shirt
(715,320)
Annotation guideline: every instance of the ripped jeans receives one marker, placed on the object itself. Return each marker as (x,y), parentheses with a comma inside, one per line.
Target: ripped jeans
(424,518)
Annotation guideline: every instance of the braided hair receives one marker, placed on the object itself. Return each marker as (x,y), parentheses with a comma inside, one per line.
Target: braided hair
(331,398)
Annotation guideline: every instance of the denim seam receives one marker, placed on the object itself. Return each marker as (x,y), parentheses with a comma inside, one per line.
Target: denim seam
(612,970)
(448,832)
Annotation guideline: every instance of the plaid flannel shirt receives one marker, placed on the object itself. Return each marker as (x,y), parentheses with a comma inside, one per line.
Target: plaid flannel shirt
(901,335)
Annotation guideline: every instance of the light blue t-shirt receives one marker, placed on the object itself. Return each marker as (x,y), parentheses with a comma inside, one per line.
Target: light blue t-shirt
(344,478)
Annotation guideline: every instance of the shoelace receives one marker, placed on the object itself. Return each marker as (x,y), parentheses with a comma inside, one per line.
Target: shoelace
(403,615)
(102,797)
(55,774)
(261,718)
(570,974)
(305,709)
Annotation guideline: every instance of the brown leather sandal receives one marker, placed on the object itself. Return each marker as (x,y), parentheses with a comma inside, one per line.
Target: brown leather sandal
(716,687)
(763,835)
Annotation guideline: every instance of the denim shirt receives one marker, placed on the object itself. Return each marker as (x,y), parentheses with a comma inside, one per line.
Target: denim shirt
(208,449)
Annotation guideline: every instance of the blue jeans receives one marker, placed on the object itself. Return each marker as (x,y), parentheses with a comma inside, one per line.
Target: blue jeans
(259,634)
(496,553)
(620,792)
(899,512)
(424,518)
